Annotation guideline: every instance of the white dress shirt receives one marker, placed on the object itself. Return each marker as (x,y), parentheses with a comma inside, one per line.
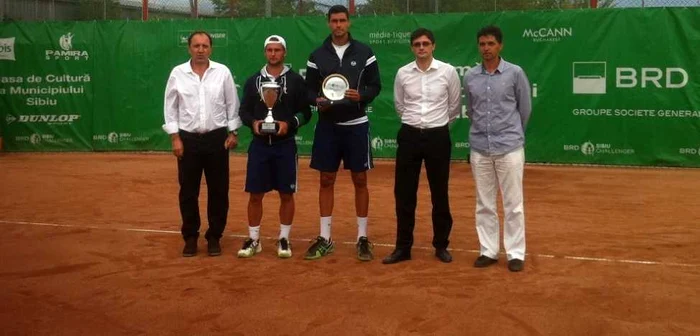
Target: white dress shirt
(427,99)
(201,105)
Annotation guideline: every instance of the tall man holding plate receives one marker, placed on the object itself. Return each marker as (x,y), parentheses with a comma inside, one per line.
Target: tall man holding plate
(343,78)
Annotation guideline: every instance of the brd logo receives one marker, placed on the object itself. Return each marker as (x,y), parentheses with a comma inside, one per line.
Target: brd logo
(113,137)
(592,77)
(377,143)
(588,148)
(670,78)
(690,151)
(35,139)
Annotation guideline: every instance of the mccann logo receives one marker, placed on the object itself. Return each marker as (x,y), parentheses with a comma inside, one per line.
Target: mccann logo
(66,53)
(548,34)
(7,48)
(592,77)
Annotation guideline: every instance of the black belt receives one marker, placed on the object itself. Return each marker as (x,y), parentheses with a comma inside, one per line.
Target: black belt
(215,132)
(424,130)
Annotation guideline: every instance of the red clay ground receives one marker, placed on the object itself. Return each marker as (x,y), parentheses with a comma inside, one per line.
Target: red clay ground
(612,251)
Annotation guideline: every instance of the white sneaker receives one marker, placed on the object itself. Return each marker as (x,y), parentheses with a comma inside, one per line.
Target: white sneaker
(250,248)
(284,248)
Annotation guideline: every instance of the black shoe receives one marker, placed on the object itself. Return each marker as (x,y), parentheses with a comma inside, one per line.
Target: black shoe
(397,256)
(443,255)
(516,265)
(484,261)
(213,247)
(190,249)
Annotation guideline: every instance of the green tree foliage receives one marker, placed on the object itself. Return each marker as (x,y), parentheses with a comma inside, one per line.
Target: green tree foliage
(398,7)
(99,10)
(257,8)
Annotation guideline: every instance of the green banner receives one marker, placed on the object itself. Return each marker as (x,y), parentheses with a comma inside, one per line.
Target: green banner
(616,86)
(47,86)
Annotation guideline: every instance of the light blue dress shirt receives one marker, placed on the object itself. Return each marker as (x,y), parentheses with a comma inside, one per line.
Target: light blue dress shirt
(499,106)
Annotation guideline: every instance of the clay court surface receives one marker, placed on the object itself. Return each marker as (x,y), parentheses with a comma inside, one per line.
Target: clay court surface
(91,246)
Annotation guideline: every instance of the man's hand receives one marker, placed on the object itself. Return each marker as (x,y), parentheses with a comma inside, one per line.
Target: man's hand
(352,94)
(231,141)
(178,147)
(256,126)
(322,107)
(283,127)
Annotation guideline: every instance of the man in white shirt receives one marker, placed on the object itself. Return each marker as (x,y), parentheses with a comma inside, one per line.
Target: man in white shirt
(427,98)
(201,117)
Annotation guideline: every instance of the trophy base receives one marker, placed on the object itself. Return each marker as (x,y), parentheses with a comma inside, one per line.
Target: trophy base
(268,128)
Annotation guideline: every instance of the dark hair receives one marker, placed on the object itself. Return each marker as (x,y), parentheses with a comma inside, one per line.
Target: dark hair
(200,32)
(422,32)
(490,30)
(338,9)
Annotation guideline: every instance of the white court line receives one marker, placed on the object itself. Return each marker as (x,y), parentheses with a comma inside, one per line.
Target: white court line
(550,256)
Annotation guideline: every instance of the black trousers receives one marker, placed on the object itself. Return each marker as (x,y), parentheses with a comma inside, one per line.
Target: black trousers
(435,148)
(204,153)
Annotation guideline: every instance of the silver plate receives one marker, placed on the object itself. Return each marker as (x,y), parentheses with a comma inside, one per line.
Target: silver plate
(334,87)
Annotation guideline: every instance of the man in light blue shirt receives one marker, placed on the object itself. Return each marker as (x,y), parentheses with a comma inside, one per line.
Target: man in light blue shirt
(498,94)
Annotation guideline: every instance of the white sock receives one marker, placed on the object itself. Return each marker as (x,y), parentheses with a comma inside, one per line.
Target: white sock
(284,231)
(254,232)
(326,227)
(361,227)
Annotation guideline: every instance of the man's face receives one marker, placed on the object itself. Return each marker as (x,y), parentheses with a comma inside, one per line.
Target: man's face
(489,48)
(275,53)
(200,49)
(339,24)
(422,48)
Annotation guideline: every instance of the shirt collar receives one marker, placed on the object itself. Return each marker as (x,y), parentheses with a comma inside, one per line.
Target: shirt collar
(329,41)
(434,64)
(501,66)
(188,66)
(266,74)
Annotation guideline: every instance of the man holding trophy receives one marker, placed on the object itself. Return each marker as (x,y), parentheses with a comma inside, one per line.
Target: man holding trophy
(342,76)
(274,106)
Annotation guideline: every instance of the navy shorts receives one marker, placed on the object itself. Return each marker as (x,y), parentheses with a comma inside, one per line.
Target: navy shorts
(333,143)
(271,167)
